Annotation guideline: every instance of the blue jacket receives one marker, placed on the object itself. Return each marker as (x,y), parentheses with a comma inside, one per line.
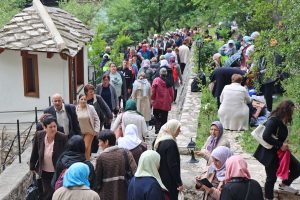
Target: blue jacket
(145,188)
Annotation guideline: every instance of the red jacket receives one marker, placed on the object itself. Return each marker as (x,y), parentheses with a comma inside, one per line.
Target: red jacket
(162,97)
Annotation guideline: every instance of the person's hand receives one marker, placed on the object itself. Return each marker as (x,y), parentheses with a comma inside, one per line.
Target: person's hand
(199,153)
(180,188)
(207,189)
(284,147)
(33,171)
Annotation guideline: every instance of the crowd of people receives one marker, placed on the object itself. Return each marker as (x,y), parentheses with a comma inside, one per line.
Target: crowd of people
(115,117)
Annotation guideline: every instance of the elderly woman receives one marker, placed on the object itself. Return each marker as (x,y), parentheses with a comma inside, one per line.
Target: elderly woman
(238,183)
(234,112)
(89,123)
(74,152)
(166,146)
(215,139)
(131,116)
(76,184)
(141,93)
(132,142)
(48,145)
(215,173)
(111,168)
(147,180)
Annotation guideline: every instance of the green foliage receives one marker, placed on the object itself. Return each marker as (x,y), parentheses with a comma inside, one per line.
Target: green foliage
(97,46)
(248,143)
(8,8)
(83,11)
(208,114)
(120,44)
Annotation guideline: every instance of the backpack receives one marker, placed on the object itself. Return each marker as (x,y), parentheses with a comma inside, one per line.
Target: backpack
(198,80)
(175,72)
(59,181)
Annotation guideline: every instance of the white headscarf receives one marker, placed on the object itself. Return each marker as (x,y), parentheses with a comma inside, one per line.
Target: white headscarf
(164,63)
(130,139)
(149,165)
(167,132)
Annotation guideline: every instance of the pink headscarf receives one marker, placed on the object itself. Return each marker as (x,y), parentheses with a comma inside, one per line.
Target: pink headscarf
(236,167)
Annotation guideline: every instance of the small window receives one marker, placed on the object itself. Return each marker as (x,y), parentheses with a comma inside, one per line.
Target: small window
(30,75)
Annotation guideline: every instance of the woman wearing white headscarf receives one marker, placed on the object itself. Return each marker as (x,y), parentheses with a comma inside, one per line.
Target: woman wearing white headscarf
(146,183)
(132,142)
(166,146)
(215,173)
(141,93)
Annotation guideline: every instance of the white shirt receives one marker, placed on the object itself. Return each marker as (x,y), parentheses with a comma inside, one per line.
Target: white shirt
(62,119)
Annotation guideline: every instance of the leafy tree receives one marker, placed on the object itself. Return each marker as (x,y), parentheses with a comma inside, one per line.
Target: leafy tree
(8,8)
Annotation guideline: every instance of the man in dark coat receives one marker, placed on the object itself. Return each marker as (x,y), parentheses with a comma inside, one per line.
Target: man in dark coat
(221,77)
(65,114)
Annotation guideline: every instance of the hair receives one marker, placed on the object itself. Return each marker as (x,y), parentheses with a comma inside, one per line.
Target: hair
(44,116)
(112,63)
(107,135)
(106,76)
(87,88)
(284,111)
(236,78)
(81,95)
(48,120)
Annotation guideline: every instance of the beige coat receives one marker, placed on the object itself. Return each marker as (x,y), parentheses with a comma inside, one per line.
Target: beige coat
(142,102)
(78,193)
(234,112)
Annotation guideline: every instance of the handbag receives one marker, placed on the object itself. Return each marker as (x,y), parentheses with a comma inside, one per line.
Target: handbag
(257,134)
(128,173)
(33,191)
(180,196)
(119,131)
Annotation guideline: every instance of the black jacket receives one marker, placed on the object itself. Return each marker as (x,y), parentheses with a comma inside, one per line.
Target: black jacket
(37,153)
(101,108)
(74,128)
(237,190)
(276,127)
(222,77)
(169,169)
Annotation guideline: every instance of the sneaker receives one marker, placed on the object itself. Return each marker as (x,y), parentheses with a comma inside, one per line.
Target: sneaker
(286,188)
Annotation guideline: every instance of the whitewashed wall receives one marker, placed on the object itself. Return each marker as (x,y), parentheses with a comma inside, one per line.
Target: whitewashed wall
(53,78)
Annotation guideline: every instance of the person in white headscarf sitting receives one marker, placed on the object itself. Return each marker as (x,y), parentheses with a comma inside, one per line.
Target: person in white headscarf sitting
(166,146)
(141,93)
(146,183)
(132,142)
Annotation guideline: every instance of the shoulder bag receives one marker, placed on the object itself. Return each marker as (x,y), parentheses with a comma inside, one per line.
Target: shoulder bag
(257,134)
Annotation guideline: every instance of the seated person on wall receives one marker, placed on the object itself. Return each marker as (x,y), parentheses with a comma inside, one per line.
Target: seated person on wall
(215,139)
(258,111)
(234,111)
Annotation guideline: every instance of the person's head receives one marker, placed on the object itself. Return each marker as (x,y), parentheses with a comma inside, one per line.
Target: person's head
(144,47)
(284,111)
(153,60)
(82,100)
(230,44)
(43,116)
(105,80)
(130,105)
(148,166)
(176,50)
(169,50)
(146,63)
(77,175)
(113,67)
(163,72)
(236,78)
(141,75)
(217,58)
(254,35)
(89,91)
(131,138)
(132,51)
(124,64)
(236,167)
(57,101)
(247,40)
(75,144)
(219,156)
(162,57)
(172,127)
(216,129)
(106,138)
(50,125)
(107,49)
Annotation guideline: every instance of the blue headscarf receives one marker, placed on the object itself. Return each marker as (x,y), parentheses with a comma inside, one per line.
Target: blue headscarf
(77,175)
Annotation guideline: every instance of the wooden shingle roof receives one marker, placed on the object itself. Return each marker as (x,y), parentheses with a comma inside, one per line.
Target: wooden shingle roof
(45,29)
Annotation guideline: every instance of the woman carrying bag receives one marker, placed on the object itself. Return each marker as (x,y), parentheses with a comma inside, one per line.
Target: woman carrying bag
(277,125)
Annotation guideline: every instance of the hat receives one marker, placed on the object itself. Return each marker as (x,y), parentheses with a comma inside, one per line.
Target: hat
(247,39)
(254,35)
(230,42)
(163,71)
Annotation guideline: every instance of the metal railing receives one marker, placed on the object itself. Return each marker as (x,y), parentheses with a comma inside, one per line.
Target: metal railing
(9,154)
